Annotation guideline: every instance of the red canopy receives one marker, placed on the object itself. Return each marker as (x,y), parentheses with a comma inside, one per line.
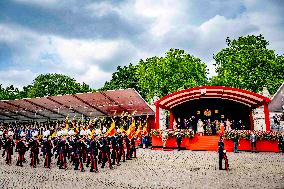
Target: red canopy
(103,103)
(245,97)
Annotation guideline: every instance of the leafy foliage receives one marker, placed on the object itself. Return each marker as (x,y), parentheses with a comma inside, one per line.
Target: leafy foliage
(125,77)
(159,76)
(45,85)
(247,63)
(55,84)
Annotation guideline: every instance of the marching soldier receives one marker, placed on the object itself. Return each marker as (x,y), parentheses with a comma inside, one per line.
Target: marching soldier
(9,146)
(34,145)
(62,152)
(121,148)
(133,147)
(105,152)
(127,144)
(114,152)
(47,151)
(21,149)
(79,149)
(93,155)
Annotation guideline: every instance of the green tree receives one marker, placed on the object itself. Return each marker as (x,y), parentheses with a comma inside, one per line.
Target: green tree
(123,78)
(54,84)
(247,63)
(159,76)
(9,93)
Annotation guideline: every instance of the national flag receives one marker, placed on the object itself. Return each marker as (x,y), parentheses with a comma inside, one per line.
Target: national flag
(139,130)
(111,130)
(131,129)
(67,122)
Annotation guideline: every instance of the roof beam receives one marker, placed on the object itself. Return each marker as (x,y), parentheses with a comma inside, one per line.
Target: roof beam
(18,106)
(49,98)
(8,115)
(38,105)
(99,110)
(116,103)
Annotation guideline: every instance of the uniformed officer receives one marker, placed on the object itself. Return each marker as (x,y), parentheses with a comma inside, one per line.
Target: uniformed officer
(21,149)
(34,146)
(47,151)
(93,154)
(220,151)
(9,146)
(133,147)
(105,148)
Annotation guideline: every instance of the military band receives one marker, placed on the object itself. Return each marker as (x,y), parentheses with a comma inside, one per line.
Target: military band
(81,146)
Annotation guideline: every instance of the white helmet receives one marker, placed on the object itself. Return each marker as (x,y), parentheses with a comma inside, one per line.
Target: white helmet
(82,132)
(71,133)
(10,133)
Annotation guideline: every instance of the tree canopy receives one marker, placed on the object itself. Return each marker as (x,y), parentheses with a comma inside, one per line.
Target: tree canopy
(45,85)
(247,63)
(159,76)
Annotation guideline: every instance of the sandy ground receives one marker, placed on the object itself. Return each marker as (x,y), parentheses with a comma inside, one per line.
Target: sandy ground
(157,169)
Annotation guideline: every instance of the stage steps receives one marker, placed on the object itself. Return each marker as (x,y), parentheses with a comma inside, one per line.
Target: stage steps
(208,143)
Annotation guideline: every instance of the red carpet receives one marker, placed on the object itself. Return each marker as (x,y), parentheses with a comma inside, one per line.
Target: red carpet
(208,143)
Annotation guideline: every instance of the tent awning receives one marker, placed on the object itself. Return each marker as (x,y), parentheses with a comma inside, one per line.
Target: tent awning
(103,103)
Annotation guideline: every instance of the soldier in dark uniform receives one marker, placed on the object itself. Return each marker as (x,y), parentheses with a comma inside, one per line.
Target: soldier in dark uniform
(220,151)
(34,146)
(47,152)
(79,148)
(93,155)
(133,147)
(21,149)
(9,146)
(62,152)
(120,148)
(179,140)
(127,144)
(105,148)
(114,152)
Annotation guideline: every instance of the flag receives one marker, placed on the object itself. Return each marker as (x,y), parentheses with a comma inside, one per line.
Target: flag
(145,132)
(111,130)
(131,129)
(54,134)
(139,129)
(67,122)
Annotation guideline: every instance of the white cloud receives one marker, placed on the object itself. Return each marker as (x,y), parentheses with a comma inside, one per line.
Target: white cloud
(17,78)
(166,24)
(39,2)
(81,59)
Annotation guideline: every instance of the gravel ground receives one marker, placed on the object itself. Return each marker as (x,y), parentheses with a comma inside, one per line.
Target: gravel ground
(157,169)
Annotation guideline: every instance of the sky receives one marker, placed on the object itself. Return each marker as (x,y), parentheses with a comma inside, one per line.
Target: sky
(87,40)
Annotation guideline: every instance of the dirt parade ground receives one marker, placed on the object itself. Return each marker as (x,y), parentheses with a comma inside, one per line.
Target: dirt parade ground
(157,169)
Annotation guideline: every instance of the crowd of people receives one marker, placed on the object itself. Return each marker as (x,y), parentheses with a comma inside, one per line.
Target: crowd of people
(108,140)
(208,126)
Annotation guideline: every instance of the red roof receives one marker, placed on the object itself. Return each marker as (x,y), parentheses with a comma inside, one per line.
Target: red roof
(103,103)
(245,97)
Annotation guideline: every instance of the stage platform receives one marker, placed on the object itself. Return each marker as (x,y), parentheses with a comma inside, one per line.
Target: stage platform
(210,143)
